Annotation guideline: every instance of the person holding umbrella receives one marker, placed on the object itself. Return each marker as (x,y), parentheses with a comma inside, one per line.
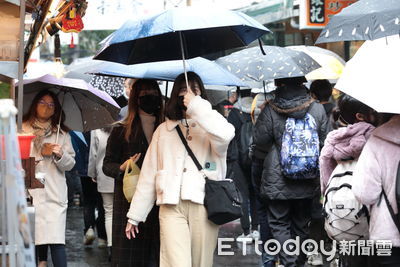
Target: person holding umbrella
(170,176)
(129,139)
(292,127)
(52,158)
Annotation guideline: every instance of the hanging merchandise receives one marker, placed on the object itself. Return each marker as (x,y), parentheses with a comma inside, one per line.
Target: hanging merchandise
(72,45)
(17,248)
(72,22)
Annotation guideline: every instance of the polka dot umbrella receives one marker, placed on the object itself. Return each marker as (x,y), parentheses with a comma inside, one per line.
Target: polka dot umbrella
(278,62)
(363,20)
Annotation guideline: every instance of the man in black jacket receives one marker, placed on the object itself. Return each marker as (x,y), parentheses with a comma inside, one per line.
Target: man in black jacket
(289,201)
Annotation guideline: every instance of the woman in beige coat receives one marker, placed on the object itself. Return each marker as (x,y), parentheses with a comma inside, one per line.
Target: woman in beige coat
(52,160)
(168,175)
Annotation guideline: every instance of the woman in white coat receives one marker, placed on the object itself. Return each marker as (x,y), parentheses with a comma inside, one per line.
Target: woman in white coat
(105,184)
(52,160)
(169,176)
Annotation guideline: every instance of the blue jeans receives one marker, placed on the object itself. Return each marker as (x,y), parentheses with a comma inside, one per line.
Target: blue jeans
(58,254)
(265,231)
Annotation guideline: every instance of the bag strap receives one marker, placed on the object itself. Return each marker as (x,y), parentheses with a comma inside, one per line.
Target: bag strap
(390,208)
(391,211)
(191,154)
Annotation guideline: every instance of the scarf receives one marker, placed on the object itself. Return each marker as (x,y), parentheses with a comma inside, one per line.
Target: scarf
(41,130)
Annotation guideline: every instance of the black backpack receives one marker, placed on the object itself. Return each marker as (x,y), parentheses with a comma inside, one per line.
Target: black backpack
(245,141)
(395,216)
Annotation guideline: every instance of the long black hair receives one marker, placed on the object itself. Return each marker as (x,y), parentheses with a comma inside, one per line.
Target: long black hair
(174,110)
(31,115)
(132,121)
(347,109)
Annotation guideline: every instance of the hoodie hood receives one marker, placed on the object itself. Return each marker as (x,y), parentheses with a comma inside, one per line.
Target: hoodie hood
(244,104)
(389,131)
(342,144)
(295,108)
(292,101)
(347,142)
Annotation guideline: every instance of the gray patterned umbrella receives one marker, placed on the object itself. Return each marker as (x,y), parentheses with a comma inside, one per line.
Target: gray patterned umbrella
(278,62)
(363,20)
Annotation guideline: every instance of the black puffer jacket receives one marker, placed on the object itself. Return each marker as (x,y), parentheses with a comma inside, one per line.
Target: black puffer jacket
(292,102)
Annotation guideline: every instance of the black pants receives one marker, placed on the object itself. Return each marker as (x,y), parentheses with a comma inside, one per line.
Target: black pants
(389,261)
(58,255)
(242,178)
(73,184)
(261,205)
(91,200)
(288,219)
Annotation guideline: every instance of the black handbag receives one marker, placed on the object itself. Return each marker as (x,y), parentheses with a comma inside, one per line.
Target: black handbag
(222,199)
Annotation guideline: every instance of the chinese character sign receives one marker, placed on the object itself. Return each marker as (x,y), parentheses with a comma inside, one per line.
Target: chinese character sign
(315,14)
(317,11)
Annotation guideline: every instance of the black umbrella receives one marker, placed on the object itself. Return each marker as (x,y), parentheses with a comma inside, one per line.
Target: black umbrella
(363,20)
(180,33)
(278,62)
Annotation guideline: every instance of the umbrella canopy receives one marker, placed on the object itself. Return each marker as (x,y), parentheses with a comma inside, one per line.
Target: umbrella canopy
(331,63)
(371,76)
(278,62)
(114,86)
(363,20)
(85,107)
(210,72)
(158,38)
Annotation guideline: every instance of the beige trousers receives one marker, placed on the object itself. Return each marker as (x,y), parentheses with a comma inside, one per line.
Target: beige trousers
(108,199)
(188,238)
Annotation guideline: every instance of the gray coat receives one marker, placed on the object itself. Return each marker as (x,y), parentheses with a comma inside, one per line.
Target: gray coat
(269,129)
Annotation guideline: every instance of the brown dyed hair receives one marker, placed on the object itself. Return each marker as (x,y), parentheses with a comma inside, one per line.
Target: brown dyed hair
(132,122)
(173,109)
(31,115)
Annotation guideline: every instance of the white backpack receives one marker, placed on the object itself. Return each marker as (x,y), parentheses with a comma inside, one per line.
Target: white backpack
(345,217)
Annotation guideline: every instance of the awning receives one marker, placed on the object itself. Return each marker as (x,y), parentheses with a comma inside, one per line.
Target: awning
(9,69)
(271,11)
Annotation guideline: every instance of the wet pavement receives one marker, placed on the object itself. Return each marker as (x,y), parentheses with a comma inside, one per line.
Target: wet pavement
(83,256)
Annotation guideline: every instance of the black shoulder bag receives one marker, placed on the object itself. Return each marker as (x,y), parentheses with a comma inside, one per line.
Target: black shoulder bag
(222,199)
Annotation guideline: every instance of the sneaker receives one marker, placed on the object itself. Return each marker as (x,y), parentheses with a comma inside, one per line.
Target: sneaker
(255,235)
(249,237)
(101,243)
(89,237)
(315,259)
(76,200)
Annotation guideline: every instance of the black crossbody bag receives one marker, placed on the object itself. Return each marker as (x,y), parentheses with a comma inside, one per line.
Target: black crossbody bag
(222,199)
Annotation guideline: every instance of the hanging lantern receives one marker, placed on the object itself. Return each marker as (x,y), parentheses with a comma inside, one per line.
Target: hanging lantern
(72,22)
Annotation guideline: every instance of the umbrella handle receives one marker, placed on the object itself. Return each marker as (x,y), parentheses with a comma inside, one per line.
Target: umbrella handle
(261,46)
(265,92)
(59,119)
(183,58)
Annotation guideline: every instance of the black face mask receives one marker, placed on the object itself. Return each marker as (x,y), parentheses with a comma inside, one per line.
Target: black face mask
(150,104)
(180,102)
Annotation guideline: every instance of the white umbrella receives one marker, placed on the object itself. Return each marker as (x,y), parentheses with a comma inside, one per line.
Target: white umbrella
(372,75)
(331,63)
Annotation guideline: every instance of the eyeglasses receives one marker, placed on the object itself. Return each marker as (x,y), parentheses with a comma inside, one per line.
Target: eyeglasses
(49,105)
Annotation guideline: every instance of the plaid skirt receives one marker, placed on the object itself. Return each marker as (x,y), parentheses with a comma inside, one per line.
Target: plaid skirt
(142,251)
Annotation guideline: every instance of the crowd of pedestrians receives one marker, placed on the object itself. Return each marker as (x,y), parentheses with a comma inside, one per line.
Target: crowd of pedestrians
(291,154)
